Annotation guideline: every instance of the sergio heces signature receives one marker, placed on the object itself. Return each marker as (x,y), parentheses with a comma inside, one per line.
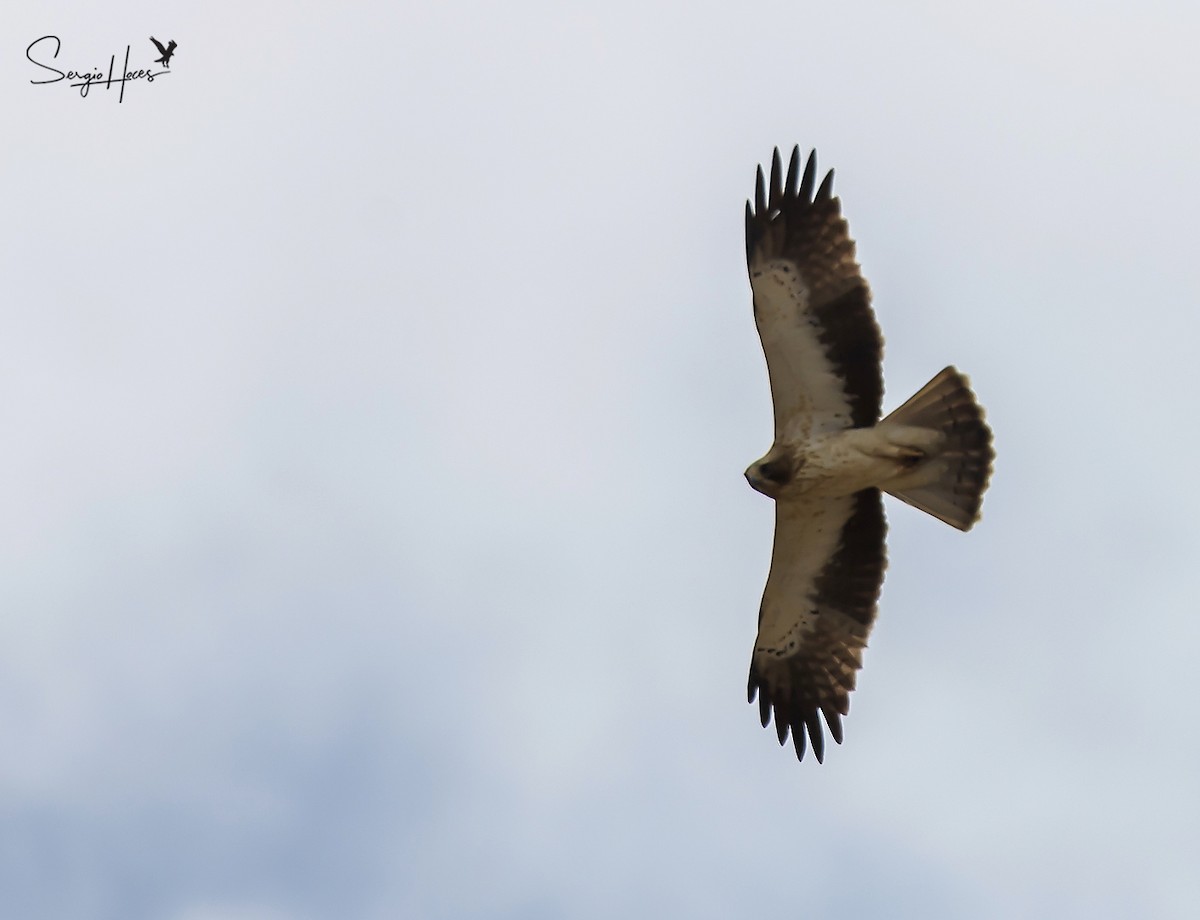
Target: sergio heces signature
(84,80)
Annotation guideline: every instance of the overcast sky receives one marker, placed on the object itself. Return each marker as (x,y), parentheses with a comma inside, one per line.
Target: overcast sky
(376,389)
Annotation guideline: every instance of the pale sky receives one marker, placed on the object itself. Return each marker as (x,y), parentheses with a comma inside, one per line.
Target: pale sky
(377,390)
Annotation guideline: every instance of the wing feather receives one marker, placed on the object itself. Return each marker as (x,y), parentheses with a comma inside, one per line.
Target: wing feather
(811,304)
(776,185)
(817,612)
(810,174)
(793,174)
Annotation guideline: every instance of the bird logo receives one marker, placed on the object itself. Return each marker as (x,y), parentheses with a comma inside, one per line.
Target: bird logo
(166,52)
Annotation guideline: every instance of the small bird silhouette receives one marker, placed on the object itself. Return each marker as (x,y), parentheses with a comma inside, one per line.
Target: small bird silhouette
(166,52)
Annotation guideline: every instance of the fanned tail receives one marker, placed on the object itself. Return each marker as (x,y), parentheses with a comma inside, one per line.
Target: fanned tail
(950,483)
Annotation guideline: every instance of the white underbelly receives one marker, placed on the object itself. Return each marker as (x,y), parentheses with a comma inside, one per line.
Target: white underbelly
(841,463)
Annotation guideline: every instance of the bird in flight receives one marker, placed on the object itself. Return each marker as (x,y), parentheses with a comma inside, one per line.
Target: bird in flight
(166,52)
(833,456)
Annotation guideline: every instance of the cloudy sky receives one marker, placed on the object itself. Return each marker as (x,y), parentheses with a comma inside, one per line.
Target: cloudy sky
(376,389)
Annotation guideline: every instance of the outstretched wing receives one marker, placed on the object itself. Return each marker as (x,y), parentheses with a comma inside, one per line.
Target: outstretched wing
(158,45)
(817,610)
(812,305)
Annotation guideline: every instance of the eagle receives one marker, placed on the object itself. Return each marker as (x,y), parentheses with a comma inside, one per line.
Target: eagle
(166,52)
(833,456)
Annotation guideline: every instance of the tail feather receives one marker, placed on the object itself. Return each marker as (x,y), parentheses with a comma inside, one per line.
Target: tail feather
(950,483)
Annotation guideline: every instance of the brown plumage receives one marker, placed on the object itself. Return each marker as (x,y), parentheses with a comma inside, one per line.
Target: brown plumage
(832,455)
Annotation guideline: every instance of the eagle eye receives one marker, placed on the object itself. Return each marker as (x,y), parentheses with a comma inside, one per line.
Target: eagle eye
(777,471)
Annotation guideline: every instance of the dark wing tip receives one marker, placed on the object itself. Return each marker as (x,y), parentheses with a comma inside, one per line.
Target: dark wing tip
(805,728)
(833,719)
(793,173)
(815,735)
(792,185)
(796,185)
(776,198)
(825,192)
(810,175)
(799,744)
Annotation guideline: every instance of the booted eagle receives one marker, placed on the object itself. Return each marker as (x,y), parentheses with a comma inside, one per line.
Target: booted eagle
(833,456)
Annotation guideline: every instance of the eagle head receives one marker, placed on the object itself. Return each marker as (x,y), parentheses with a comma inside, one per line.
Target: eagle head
(770,474)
